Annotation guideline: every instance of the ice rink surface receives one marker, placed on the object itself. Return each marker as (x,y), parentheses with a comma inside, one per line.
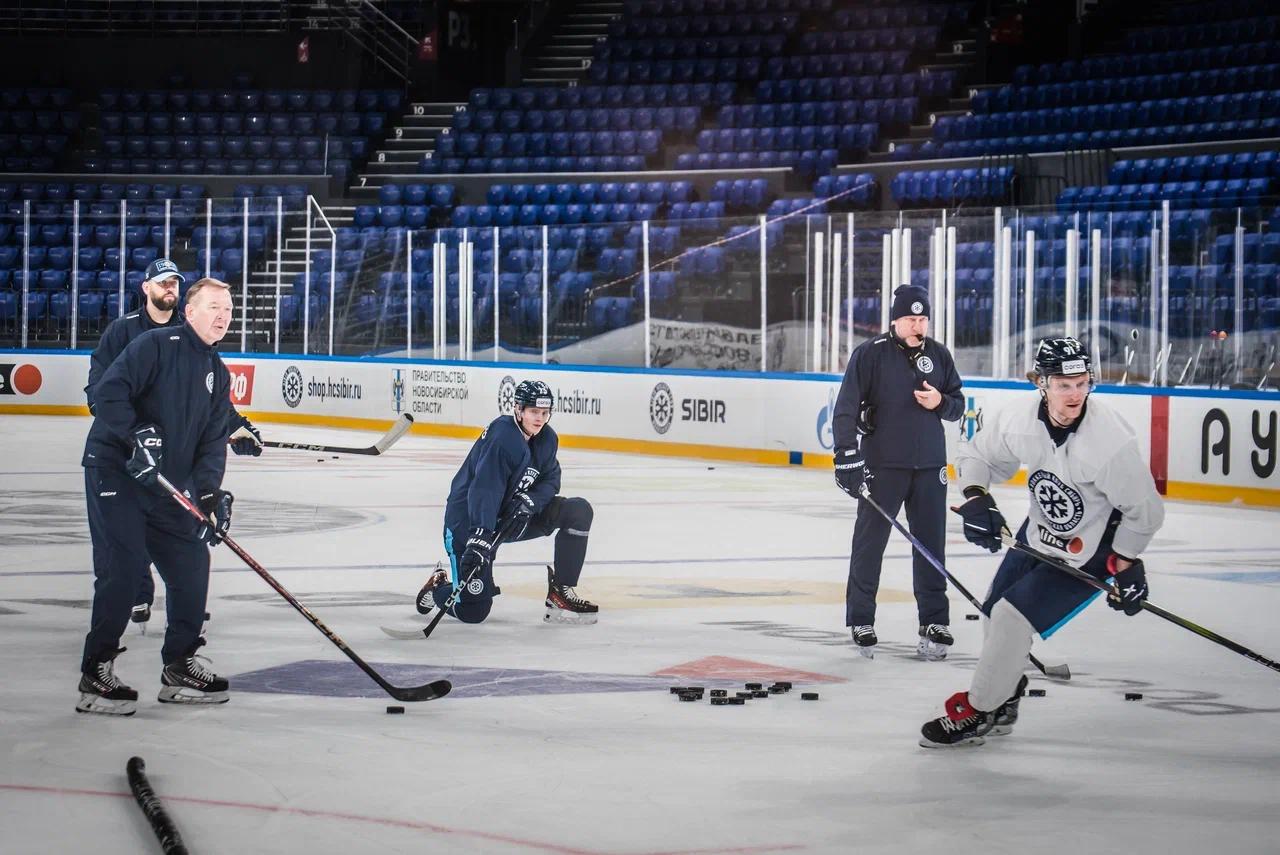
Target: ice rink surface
(563,739)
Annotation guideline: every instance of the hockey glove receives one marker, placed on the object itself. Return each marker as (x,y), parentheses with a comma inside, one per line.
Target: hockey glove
(216,506)
(246,440)
(148,453)
(516,515)
(851,470)
(478,552)
(1131,586)
(983,523)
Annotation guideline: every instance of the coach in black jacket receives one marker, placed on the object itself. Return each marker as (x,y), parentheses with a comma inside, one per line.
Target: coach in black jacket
(897,390)
(162,407)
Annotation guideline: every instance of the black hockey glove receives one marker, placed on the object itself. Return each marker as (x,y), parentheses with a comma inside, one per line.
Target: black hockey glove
(516,515)
(1131,586)
(983,523)
(478,552)
(148,453)
(246,440)
(851,470)
(216,506)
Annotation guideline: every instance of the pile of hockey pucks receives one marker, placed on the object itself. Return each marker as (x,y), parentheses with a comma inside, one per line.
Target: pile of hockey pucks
(722,697)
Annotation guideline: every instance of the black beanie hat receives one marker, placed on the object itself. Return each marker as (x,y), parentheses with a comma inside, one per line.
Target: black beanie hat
(909,300)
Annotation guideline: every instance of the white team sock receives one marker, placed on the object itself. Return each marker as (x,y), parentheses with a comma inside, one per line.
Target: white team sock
(1004,657)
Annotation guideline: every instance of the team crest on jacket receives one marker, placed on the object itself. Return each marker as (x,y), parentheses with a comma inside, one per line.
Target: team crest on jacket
(925,364)
(1061,505)
(528,478)
(208,382)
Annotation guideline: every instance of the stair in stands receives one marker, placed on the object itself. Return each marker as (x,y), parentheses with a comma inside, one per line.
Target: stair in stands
(410,141)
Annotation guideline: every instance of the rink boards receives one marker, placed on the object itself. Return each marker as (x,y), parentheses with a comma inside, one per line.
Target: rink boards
(1211,445)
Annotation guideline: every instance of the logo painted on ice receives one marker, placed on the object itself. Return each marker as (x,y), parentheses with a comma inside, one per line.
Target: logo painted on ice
(662,406)
(826,435)
(506,395)
(971,420)
(291,386)
(397,389)
(1061,505)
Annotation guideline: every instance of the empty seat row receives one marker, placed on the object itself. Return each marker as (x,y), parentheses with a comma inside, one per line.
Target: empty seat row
(435,195)
(701,25)
(1143,88)
(1244,164)
(559,144)
(680,8)
(634,95)
(833,63)
(251,100)
(580,119)
(1257,247)
(1136,64)
(1114,138)
(18,97)
(466,216)
(1260,29)
(905,15)
(587,193)
(252,124)
(58,191)
(1217,10)
(1183,194)
(33,144)
(906,39)
(933,187)
(230,147)
(22,163)
(807,162)
(45,121)
(878,110)
(848,138)
(411,216)
(741,193)
(649,48)
(935,84)
(676,71)
(847,190)
(523,165)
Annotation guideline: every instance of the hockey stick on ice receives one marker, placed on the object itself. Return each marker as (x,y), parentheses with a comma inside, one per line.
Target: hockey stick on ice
(427,692)
(153,809)
(1058,672)
(1102,586)
(398,429)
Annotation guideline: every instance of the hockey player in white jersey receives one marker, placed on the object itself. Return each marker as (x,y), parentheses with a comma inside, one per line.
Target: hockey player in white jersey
(1093,504)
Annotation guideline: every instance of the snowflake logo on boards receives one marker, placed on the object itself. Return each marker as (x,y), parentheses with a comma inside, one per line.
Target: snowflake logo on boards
(826,434)
(291,386)
(662,407)
(475,587)
(208,382)
(925,364)
(506,395)
(1060,504)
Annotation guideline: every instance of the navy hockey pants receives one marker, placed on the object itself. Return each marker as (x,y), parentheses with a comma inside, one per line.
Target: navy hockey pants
(924,494)
(131,526)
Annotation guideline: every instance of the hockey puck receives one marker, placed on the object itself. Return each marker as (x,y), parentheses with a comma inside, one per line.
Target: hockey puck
(742,694)
(751,687)
(394,710)
(783,684)
(719,693)
(698,689)
(675,690)
(690,696)
(1133,696)
(335,457)
(759,693)
(737,702)
(970,617)
(808,696)
(1035,693)
(777,690)
(319,460)
(719,702)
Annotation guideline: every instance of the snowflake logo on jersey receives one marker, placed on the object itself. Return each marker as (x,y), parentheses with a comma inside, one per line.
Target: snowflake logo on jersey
(662,407)
(208,382)
(506,395)
(1060,504)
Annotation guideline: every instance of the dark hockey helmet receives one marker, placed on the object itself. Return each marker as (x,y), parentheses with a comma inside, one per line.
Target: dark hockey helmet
(534,393)
(1065,357)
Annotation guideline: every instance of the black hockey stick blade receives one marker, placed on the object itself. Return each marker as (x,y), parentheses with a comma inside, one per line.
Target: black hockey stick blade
(153,809)
(398,429)
(427,692)
(1147,605)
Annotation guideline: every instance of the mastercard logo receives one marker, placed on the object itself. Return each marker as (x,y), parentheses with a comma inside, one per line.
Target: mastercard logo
(20,379)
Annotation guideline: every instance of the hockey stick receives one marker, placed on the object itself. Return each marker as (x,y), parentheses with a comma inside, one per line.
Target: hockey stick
(398,429)
(457,591)
(1102,586)
(153,809)
(1058,672)
(427,692)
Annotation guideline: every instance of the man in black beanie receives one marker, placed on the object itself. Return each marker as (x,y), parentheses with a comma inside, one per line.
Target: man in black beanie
(897,390)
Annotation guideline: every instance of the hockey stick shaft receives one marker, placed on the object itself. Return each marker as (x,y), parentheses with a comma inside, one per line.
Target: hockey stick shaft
(398,429)
(153,809)
(1094,582)
(427,692)
(1060,671)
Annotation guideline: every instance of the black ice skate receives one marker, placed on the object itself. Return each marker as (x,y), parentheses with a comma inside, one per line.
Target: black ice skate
(935,638)
(565,606)
(426,602)
(962,726)
(102,692)
(186,681)
(1006,715)
(864,637)
(140,614)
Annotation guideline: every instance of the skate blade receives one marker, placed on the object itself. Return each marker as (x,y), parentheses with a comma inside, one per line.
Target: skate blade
(868,652)
(101,706)
(1000,730)
(179,695)
(570,618)
(973,742)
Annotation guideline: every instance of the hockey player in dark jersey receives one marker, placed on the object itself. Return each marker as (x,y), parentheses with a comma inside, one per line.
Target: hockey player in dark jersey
(508,486)
(1093,504)
(161,408)
(160,300)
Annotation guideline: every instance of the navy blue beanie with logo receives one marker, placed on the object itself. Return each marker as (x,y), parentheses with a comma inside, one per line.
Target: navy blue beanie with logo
(909,300)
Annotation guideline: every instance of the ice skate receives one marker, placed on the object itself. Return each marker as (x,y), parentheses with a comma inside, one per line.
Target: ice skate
(935,638)
(1006,715)
(864,637)
(565,606)
(102,692)
(187,681)
(426,601)
(962,726)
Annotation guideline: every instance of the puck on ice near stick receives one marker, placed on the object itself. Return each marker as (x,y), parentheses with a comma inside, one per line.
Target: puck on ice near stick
(751,687)
(690,696)
(394,710)
(808,696)
(675,690)
(719,701)
(1133,696)
(719,693)
(1035,693)
(970,617)
(759,693)
(737,702)
(783,684)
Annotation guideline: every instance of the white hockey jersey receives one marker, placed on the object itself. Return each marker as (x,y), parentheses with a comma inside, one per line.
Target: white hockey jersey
(1074,487)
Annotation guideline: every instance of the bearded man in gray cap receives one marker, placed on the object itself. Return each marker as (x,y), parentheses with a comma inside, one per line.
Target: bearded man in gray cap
(897,390)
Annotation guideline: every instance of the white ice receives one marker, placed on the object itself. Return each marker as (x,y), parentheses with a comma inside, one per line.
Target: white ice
(679,550)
